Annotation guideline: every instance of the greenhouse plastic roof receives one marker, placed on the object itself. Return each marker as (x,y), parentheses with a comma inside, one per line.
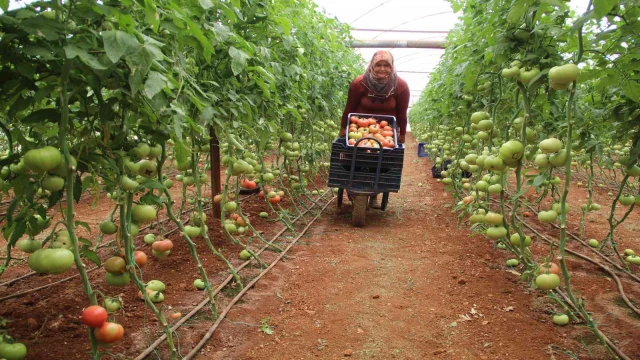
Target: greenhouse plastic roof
(433,17)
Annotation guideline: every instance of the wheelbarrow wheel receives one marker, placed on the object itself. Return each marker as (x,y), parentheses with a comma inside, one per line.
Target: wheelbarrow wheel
(385,201)
(340,195)
(359,213)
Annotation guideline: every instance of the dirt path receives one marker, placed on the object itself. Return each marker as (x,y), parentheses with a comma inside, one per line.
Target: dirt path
(409,285)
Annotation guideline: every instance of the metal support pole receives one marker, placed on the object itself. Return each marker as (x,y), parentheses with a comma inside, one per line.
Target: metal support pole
(417,44)
(216,184)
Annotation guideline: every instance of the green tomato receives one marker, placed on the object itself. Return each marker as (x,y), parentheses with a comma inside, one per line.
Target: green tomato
(127,184)
(51,261)
(52,183)
(526,76)
(112,304)
(192,231)
(511,152)
(564,74)
(108,227)
(149,239)
(168,183)
(156,285)
(557,207)
(558,159)
(496,232)
(634,259)
(230,206)
(547,217)
(143,213)
(627,200)
(513,262)
(264,215)
(515,240)
(156,297)
(245,255)
(561,320)
(501,246)
(550,145)
(493,218)
(593,243)
(43,159)
(15,351)
(547,281)
(629,252)
(199,284)
(29,245)
(117,279)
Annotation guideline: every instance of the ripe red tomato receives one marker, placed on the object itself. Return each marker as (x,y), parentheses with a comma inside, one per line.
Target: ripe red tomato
(140,258)
(162,245)
(261,194)
(94,316)
(353,119)
(526,214)
(383,124)
(109,332)
(248,184)
(275,199)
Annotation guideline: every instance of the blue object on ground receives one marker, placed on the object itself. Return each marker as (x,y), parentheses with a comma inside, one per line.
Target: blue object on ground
(421,151)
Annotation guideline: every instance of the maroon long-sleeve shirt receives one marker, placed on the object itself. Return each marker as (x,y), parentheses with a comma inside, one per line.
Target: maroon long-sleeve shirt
(358,101)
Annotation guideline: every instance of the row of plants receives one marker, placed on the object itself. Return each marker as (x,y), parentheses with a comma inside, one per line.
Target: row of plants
(106,96)
(528,94)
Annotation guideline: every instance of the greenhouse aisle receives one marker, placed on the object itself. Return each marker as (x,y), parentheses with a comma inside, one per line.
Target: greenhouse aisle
(409,285)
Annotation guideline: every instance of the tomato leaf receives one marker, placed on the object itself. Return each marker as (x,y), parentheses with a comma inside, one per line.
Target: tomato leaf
(77,189)
(42,115)
(602,7)
(538,180)
(632,90)
(238,60)
(117,43)
(4,5)
(206,4)
(152,184)
(83,224)
(154,84)
(151,199)
(84,241)
(21,227)
(90,255)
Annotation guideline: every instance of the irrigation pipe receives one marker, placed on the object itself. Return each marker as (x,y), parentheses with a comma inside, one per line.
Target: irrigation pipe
(162,338)
(209,333)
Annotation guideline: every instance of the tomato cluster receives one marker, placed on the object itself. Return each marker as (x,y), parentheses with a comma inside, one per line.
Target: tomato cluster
(370,128)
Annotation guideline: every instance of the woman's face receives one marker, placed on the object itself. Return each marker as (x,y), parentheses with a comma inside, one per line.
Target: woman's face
(382,69)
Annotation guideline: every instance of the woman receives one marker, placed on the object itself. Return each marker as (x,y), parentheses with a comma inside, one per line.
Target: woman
(378,91)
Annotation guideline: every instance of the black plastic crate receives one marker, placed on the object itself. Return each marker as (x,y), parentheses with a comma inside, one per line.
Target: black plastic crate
(365,167)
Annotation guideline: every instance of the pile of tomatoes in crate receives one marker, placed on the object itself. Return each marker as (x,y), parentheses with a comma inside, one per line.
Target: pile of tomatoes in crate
(370,128)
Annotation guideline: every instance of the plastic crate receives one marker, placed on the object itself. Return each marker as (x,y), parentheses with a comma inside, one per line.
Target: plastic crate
(421,150)
(390,119)
(365,167)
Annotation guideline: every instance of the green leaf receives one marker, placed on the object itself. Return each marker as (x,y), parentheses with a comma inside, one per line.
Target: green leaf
(151,199)
(152,184)
(84,241)
(151,13)
(206,4)
(117,43)
(539,180)
(83,224)
(21,227)
(602,7)
(632,90)
(77,189)
(238,60)
(90,255)
(72,51)
(41,116)
(154,84)
(4,5)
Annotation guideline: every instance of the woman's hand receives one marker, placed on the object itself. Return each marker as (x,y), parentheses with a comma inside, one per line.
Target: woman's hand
(400,139)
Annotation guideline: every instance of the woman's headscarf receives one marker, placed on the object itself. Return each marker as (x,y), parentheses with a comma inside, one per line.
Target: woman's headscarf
(381,87)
